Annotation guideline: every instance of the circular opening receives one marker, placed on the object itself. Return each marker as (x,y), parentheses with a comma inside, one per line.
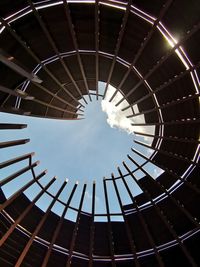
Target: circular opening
(84,150)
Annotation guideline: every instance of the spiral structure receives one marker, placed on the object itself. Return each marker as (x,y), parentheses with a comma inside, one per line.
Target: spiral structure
(54,54)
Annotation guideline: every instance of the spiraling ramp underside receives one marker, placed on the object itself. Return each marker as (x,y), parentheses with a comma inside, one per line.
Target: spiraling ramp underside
(53,56)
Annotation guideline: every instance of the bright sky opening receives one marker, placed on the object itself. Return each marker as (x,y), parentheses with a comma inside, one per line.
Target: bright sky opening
(83,151)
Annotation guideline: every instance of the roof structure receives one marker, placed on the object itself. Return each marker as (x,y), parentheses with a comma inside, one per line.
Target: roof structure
(53,55)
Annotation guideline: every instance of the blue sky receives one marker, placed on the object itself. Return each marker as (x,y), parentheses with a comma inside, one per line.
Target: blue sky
(80,150)
(83,150)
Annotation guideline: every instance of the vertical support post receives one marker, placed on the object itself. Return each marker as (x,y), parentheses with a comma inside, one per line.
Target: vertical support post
(58,227)
(97,46)
(39,226)
(92,227)
(144,224)
(128,230)
(76,228)
(25,212)
(109,224)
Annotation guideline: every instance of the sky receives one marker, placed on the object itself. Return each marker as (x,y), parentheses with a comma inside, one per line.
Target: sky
(83,151)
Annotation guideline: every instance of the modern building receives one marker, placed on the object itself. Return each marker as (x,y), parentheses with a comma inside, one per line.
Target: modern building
(54,54)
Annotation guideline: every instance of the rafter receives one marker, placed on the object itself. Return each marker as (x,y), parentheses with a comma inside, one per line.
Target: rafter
(118,44)
(188,35)
(75,43)
(31,53)
(143,45)
(163,217)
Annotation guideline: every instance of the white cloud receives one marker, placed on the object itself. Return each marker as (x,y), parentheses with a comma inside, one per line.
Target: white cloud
(118,118)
